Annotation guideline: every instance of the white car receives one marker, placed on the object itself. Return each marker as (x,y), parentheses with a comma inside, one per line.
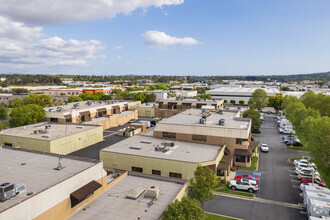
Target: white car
(264,148)
(309,174)
(242,185)
(304,169)
(305,163)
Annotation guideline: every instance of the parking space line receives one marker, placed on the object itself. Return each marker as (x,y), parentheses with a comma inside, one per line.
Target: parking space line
(295,186)
(293,175)
(297,181)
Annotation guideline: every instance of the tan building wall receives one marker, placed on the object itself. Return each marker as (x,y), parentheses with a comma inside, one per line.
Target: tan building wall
(54,202)
(117,161)
(117,120)
(64,145)
(145,111)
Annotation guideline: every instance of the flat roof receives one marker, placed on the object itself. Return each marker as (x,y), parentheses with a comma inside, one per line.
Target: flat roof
(113,204)
(55,131)
(192,117)
(182,151)
(146,105)
(84,105)
(227,90)
(191,99)
(37,174)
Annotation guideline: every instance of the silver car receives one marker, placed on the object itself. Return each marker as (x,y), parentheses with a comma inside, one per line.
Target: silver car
(242,185)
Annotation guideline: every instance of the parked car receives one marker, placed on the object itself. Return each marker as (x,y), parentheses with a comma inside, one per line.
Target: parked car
(305,165)
(304,169)
(309,174)
(289,136)
(264,148)
(303,161)
(238,184)
(316,181)
(247,177)
(294,143)
(256,131)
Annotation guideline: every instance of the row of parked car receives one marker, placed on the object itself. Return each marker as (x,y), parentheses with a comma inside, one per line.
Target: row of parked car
(286,128)
(316,195)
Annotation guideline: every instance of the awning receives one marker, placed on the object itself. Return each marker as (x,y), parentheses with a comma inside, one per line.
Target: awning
(102,109)
(67,116)
(227,151)
(254,144)
(227,159)
(223,166)
(85,191)
(85,113)
(243,152)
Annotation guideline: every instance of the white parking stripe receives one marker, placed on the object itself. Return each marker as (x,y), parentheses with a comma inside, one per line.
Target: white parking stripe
(296,181)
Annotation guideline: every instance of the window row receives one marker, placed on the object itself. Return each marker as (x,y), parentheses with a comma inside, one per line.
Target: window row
(158,172)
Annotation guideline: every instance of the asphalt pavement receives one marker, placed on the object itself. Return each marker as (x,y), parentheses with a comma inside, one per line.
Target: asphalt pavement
(278,183)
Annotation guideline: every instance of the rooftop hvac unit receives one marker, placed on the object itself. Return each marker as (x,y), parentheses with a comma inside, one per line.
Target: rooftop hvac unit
(161,149)
(153,192)
(202,120)
(7,190)
(146,142)
(222,122)
(168,144)
(36,132)
(136,148)
(135,193)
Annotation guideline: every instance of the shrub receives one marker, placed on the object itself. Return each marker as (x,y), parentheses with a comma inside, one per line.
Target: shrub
(232,102)
(241,102)
(225,101)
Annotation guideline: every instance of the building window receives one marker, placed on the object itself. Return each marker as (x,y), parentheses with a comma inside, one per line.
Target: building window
(54,120)
(176,175)
(137,169)
(156,172)
(248,159)
(169,135)
(8,144)
(198,137)
(240,159)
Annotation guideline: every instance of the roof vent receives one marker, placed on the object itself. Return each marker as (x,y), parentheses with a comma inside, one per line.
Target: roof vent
(168,144)
(153,192)
(222,122)
(136,148)
(135,193)
(146,142)
(45,136)
(202,120)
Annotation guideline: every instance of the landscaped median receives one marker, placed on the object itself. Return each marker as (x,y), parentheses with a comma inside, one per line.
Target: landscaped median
(211,216)
(227,190)
(297,148)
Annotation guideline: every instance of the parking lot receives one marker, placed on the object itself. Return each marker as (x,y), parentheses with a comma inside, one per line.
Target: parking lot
(279,185)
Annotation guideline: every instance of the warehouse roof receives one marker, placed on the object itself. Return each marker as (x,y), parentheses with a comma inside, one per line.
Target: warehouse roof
(271,91)
(182,151)
(192,117)
(53,131)
(35,171)
(113,204)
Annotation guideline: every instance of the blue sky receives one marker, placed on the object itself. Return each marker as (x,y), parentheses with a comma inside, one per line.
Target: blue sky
(195,37)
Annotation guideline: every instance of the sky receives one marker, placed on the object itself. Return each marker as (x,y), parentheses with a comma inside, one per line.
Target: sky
(191,37)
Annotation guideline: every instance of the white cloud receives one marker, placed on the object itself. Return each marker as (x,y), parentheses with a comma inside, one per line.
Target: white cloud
(119,57)
(23,48)
(161,40)
(60,11)
(118,48)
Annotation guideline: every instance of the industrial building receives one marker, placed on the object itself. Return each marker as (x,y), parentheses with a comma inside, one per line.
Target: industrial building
(7,98)
(221,127)
(134,196)
(78,112)
(156,156)
(36,185)
(52,138)
(173,106)
(239,93)
(146,109)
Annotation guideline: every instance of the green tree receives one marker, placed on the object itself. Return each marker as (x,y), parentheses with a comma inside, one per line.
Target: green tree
(42,100)
(3,113)
(241,102)
(287,100)
(275,101)
(27,114)
(184,210)
(161,86)
(255,116)
(171,94)
(203,184)
(151,97)
(232,102)
(258,100)
(205,96)
(74,99)
(16,103)
(284,88)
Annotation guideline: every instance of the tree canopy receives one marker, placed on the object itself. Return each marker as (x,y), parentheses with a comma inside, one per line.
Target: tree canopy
(3,113)
(74,99)
(258,100)
(41,100)
(203,184)
(255,116)
(184,210)
(26,114)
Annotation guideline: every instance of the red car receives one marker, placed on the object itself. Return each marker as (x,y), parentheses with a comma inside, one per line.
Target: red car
(247,177)
(309,180)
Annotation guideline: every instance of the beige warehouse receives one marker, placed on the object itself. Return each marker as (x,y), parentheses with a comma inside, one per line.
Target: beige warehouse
(138,154)
(52,138)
